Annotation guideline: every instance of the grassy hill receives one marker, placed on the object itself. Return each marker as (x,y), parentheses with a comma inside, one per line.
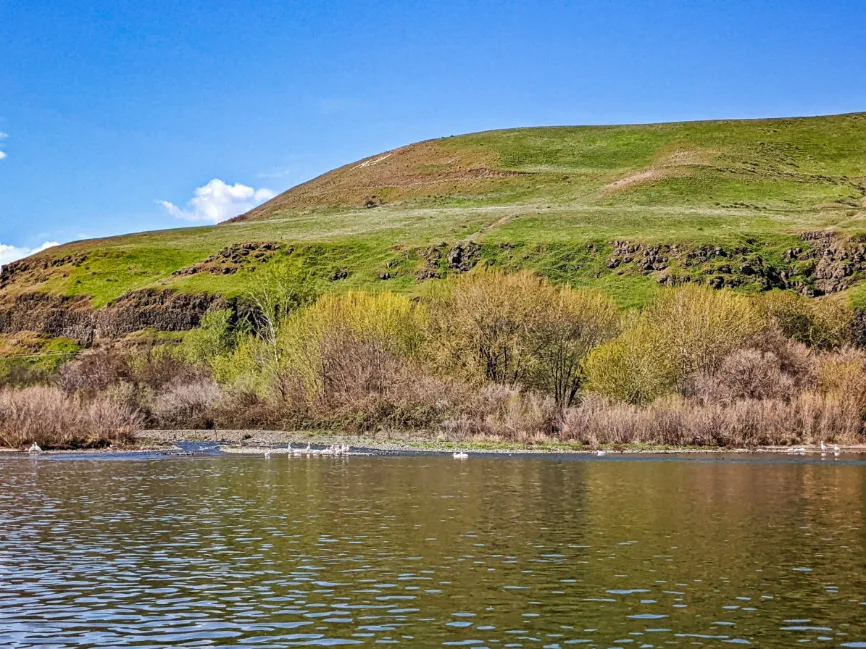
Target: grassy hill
(746,204)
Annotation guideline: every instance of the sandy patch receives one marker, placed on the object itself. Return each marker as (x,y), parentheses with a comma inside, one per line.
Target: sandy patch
(639,178)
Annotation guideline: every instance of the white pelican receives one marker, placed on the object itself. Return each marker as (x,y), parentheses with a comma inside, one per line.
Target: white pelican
(836,450)
(34,448)
(460,455)
(600,453)
(268,454)
(308,450)
(823,447)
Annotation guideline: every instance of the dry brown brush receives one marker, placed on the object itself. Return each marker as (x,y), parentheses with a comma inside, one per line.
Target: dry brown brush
(54,419)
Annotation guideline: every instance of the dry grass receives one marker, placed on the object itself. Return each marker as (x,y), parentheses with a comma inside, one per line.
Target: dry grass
(186,405)
(54,419)
(502,412)
(807,418)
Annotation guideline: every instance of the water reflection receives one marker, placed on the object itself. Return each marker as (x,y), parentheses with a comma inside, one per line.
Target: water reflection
(424,551)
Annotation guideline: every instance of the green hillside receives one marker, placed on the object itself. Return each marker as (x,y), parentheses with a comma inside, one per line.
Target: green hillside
(625,208)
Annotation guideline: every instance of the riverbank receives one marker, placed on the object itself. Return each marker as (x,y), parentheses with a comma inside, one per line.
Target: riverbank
(257,441)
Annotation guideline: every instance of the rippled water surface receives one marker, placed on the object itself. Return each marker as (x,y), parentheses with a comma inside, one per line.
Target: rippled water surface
(429,551)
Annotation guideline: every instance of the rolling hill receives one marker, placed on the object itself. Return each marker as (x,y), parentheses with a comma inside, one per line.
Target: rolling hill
(753,205)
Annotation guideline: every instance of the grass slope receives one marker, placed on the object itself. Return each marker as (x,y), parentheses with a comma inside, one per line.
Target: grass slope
(552,199)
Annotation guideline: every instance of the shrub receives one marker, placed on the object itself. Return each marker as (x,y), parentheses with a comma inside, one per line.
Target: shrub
(186,405)
(94,372)
(215,337)
(480,326)
(276,294)
(240,408)
(632,368)
(17,374)
(745,374)
(362,387)
(685,331)
(346,361)
(825,323)
(842,376)
(509,413)
(389,322)
(567,325)
(519,329)
(159,366)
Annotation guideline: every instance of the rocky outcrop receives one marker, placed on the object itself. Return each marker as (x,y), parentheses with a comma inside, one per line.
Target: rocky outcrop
(459,258)
(37,269)
(646,258)
(67,317)
(75,318)
(835,262)
(463,256)
(153,309)
(230,260)
(825,263)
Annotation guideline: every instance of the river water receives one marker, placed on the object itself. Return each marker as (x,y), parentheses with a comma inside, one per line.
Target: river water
(234,551)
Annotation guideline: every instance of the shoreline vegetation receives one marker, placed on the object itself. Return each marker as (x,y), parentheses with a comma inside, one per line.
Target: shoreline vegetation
(488,358)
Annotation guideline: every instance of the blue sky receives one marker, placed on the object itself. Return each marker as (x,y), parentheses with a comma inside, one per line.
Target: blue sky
(133,115)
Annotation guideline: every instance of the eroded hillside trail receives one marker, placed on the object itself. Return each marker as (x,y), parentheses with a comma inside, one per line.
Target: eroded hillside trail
(486,228)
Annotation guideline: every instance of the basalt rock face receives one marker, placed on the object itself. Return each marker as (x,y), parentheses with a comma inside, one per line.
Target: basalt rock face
(67,317)
(152,309)
(825,263)
(75,318)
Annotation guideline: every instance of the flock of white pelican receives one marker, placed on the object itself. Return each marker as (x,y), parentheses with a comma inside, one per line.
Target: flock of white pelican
(334,449)
(802,450)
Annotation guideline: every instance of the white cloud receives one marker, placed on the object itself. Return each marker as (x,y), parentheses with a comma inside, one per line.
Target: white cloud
(13,253)
(3,136)
(218,201)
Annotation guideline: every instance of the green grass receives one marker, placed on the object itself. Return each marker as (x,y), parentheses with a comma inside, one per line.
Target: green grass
(28,357)
(719,183)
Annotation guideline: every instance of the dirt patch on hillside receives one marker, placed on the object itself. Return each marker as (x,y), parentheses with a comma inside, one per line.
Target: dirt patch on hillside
(667,165)
(640,178)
